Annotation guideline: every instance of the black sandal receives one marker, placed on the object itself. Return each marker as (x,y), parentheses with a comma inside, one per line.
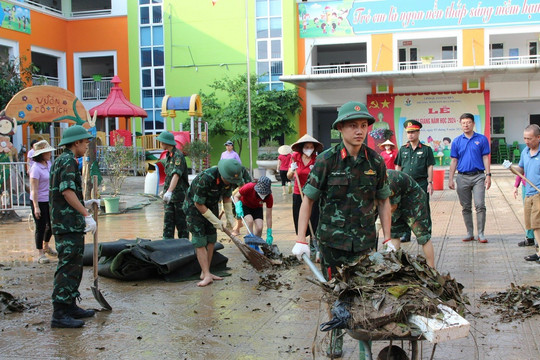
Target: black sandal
(533,257)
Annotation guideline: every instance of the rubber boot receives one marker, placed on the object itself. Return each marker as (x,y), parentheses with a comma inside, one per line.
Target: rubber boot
(468,219)
(335,348)
(62,319)
(78,313)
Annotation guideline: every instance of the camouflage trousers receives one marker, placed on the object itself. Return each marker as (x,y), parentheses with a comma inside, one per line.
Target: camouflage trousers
(68,275)
(174,217)
(412,214)
(332,258)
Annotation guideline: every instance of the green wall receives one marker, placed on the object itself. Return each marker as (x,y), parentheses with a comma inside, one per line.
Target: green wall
(199,38)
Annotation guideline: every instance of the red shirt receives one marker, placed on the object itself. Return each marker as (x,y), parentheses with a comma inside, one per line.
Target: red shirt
(285,162)
(303,170)
(389,159)
(251,199)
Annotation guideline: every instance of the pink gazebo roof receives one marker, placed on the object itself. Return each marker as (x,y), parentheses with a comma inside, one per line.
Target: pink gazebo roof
(116,104)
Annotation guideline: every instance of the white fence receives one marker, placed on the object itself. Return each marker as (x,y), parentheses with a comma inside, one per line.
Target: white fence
(14,187)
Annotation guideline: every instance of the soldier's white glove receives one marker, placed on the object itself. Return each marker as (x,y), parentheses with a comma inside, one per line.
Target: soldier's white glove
(389,246)
(209,215)
(88,203)
(299,249)
(227,207)
(167,197)
(91,225)
(294,166)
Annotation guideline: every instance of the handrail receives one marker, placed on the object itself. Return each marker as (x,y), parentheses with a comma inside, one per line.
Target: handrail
(427,64)
(515,60)
(339,69)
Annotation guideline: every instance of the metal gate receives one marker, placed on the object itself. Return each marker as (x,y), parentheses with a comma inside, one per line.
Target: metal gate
(14,186)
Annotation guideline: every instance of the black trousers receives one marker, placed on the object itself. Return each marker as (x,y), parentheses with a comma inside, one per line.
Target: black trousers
(43,231)
(297,202)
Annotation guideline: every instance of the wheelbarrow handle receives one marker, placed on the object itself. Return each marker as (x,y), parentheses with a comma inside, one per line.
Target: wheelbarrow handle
(318,274)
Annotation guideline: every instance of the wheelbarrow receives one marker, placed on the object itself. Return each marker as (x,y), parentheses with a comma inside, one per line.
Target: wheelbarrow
(447,326)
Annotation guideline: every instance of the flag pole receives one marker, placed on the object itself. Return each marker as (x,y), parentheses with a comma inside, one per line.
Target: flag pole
(248,92)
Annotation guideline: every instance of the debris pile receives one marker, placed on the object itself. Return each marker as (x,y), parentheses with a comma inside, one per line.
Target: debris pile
(518,302)
(10,304)
(380,290)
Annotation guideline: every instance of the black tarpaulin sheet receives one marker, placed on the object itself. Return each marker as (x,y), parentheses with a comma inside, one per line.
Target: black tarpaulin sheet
(172,259)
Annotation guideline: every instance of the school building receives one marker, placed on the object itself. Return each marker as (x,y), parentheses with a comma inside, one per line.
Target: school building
(430,60)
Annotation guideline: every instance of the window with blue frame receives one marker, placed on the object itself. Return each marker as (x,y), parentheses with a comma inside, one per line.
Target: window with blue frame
(152,62)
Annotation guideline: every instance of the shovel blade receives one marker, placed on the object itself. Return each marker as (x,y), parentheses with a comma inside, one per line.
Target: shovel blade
(99,297)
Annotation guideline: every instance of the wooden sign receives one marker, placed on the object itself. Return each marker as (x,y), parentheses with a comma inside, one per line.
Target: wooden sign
(46,103)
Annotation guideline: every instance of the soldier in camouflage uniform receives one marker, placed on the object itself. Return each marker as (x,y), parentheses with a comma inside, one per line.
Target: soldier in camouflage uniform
(409,212)
(201,207)
(69,221)
(350,182)
(176,183)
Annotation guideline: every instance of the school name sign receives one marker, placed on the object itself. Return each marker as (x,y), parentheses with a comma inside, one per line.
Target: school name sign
(346,17)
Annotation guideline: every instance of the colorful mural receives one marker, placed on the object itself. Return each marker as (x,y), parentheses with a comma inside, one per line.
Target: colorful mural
(15,17)
(347,17)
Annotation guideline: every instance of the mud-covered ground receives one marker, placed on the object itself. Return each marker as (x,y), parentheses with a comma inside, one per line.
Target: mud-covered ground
(250,315)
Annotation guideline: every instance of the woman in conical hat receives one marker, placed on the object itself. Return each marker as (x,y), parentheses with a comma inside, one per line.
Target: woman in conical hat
(303,159)
(389,154)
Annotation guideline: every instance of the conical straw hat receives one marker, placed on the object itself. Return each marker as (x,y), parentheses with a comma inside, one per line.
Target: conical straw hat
(284,150)
(297,146)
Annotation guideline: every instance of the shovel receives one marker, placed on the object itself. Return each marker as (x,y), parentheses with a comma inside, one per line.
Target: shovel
(95,290)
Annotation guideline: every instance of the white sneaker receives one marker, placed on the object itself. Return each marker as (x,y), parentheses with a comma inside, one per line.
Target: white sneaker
(43,259)
(51,252)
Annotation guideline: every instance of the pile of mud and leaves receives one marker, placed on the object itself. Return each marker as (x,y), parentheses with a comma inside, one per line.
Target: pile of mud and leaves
(10,304)
(270,280)
(380,290)
(518,302)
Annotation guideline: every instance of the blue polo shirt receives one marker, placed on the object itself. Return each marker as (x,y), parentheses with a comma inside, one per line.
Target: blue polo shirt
(469,152)
(531,166)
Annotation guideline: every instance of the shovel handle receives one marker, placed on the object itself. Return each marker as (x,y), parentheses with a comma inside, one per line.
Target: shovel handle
(309,220)
(318,274)
(95,210)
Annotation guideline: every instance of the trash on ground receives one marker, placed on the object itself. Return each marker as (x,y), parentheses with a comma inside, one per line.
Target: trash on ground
(518,302)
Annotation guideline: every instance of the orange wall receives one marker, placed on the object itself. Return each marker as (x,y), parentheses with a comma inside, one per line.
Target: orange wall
(72,36)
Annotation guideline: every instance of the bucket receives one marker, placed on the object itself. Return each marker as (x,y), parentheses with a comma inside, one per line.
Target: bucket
(151,182)
(112,205)
(438,179)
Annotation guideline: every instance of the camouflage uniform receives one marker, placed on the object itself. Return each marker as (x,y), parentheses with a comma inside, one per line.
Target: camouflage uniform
(347,190)
(68,228)
(207,188)
(174,215)
(411,212)
(415,163)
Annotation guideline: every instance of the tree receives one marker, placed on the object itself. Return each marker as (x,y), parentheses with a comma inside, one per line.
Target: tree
(14,77)
(226,109)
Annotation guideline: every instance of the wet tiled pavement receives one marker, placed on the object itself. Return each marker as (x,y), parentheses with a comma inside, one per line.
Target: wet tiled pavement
(233,319)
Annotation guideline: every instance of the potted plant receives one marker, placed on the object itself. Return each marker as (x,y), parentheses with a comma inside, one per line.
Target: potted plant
(119,161)
(197,151)
(267,163)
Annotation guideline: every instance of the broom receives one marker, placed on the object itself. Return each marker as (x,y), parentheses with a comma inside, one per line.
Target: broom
(255,258)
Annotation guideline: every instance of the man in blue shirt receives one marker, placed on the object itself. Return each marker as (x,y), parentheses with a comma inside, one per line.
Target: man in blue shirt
(470,156)
(529,164)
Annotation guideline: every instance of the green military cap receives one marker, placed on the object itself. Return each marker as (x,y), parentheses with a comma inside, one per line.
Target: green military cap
(74,133)
(412,125)
(167,137)
(230,170)
(353,110)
